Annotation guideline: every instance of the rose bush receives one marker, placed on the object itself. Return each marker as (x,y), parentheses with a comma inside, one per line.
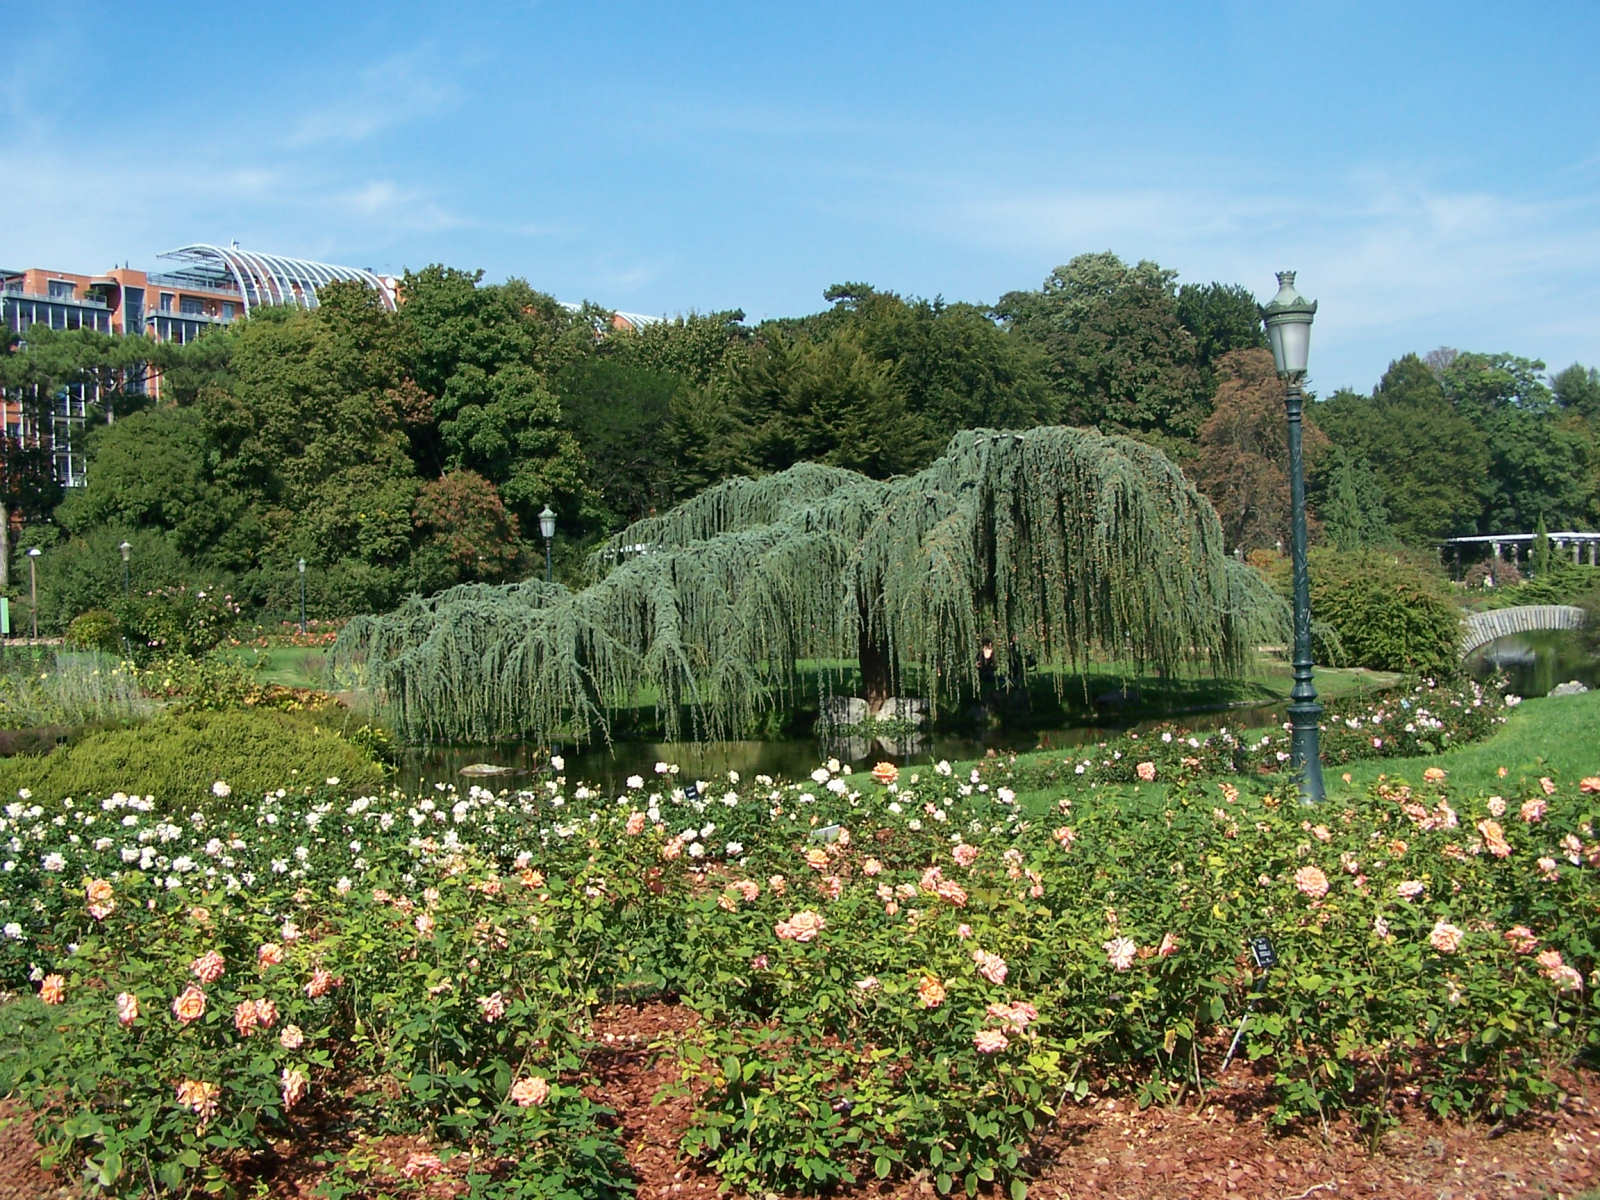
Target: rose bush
(893,978)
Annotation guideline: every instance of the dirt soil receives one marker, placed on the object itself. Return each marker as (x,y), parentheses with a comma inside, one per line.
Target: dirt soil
(1222,1146)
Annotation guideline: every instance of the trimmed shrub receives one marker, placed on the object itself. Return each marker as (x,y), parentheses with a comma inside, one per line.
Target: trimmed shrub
(97,629)
(178,758)
(1390,613)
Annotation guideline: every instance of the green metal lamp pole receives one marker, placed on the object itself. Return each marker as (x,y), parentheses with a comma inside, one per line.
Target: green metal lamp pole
(547,526)
(1288,320)
(127,575)
(300,564)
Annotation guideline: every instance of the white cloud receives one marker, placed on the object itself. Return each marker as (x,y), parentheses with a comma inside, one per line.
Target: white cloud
(397,91)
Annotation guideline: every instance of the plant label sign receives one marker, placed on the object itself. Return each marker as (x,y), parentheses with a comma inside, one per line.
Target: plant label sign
(1261,950)
(827,834)
(691,790)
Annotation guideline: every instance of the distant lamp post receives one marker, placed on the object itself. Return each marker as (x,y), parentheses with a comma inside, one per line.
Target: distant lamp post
(33,588)
(300,565)
(127,571)
(547,526)
(1288,320)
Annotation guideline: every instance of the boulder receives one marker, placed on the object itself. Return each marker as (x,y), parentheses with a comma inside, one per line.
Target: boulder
(842,710)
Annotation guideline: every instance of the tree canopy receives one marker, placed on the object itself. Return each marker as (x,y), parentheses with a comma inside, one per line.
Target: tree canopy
(1077,543)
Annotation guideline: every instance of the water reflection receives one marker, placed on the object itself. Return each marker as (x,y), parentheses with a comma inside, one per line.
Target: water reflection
(1536,662)
(791,758)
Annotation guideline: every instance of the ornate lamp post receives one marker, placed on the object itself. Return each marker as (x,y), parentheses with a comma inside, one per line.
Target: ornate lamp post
(300,565)
(1288,320)
(127,574)
(547,526)
(33,588)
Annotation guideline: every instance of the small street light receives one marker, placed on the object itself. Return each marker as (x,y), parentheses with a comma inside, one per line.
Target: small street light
(127,581)
(547,526)
(1288,321)
(33,588)
(300,565)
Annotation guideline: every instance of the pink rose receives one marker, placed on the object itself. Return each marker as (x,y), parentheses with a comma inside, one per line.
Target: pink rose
(1169,945)
(965,854)
(266,1013)
(636,824)
(990,1041)
(127,1008)
(1146,771)
(321,981)
(421,1164)
(291,1038)
(991,966)
(1534,810)
(493,1006)
(269,954)
(1521,939)
(1120,952)
(208,967)
(1410,889)
(1445,938)
(802,927)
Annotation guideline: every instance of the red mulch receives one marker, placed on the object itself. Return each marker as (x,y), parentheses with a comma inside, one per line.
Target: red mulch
(1223,1146)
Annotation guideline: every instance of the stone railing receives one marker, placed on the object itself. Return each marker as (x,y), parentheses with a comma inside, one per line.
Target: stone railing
(1483,627)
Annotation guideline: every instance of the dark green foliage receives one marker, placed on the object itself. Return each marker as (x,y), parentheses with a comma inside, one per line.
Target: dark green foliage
(1119,357)
(1539,552)
(1348,498)
(1077,543)
(1431,461)
(1577,389)
(1389,613)
(178,758)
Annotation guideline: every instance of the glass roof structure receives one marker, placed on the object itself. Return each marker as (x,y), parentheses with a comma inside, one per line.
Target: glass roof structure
(262,279)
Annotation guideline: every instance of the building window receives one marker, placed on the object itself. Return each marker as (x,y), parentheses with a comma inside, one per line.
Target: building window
(192,306)
(227,310)
(166,301)
(63,289)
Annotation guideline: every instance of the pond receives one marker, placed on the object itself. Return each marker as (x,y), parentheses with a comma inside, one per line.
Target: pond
(1536,662)
(792,758)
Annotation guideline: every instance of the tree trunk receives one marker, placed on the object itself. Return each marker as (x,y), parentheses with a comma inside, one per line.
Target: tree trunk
(875,676)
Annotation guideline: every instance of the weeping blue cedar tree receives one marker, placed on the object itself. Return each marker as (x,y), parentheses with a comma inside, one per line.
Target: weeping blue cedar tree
(1080,544)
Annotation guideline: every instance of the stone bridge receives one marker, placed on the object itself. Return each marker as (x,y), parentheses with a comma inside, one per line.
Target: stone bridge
(1483,627)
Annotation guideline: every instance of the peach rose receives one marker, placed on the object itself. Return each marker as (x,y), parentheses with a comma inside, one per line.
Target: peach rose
(127,1008)
(208,967)
(930,992)
(529,1090)
(1311,882)
(291,1038)
(802,927)
(268,954)
(53,990)
(1146,771)
(190,1004)
(200,1097)
(1445,938)
(296,1083)
(990,1041)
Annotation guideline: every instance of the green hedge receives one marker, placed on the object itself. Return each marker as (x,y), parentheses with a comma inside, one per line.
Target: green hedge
(178,758)
(1390,613)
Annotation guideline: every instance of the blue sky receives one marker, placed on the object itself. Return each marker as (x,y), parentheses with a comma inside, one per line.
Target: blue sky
(1432,170)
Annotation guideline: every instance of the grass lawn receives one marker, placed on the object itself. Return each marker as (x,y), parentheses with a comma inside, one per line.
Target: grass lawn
(289,666)
(1554,736)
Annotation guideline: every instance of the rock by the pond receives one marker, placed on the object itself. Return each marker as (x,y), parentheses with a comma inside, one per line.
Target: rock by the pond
(483,770)
(842,710)
(1570,688)
(913,710)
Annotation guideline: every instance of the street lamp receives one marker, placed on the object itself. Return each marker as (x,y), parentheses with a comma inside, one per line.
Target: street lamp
(127,581)
(33,588)
(300,565)
(547,526)
(1288,320)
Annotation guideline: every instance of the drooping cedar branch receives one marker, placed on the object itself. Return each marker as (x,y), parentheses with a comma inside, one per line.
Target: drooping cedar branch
(1079,544)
